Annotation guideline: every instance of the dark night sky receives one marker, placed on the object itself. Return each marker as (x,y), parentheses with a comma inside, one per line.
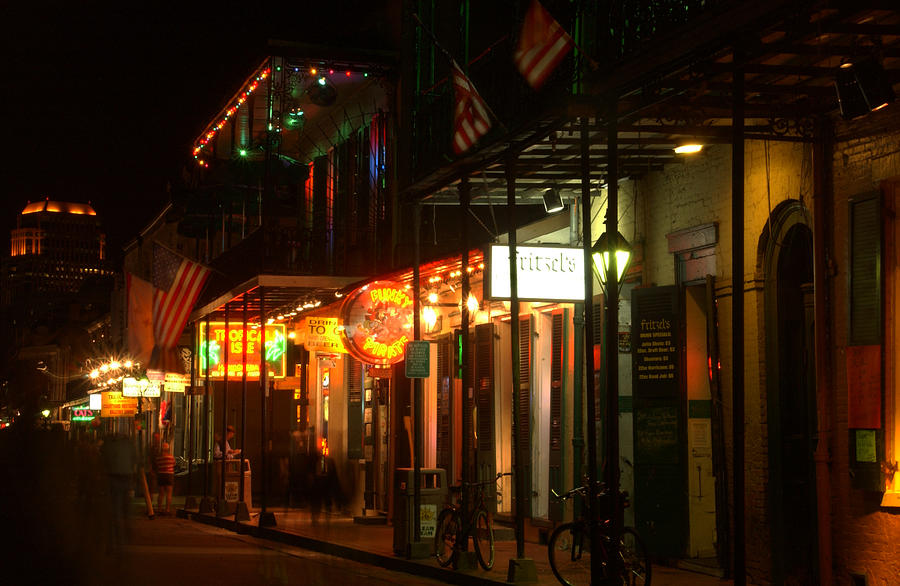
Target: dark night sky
(102,100)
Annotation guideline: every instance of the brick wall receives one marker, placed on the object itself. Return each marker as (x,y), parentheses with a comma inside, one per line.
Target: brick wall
(865,537)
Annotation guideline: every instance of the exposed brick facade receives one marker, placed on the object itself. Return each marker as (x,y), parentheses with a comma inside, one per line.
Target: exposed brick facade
(697,191)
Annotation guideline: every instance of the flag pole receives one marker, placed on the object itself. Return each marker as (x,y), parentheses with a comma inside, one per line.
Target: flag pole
(450,58)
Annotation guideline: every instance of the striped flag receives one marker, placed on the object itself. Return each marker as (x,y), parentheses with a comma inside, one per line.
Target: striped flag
(470,117)
(177,283)
(542,45)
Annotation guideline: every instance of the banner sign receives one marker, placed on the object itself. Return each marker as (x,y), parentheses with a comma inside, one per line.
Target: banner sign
(115,405)
(232,342)
(543,273)
(175,383)
(378,322)
(132,387)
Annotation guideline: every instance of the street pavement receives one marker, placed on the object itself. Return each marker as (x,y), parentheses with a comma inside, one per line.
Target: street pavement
(373,545)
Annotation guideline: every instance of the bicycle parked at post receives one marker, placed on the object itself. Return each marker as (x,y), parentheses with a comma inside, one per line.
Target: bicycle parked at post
(570,548)
(454,527)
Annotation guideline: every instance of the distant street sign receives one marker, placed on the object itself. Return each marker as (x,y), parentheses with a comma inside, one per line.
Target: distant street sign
(418,356)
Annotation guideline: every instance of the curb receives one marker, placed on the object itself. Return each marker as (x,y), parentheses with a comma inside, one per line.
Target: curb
(396,564)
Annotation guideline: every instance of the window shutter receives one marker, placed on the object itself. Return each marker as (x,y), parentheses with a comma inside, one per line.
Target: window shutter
(523,398)
(484,375)
(444,350)
(865,274)
(557,361)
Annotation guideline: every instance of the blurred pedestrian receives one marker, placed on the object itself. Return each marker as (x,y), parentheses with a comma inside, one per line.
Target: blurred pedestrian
(119,461)
(155,445)
(165,477)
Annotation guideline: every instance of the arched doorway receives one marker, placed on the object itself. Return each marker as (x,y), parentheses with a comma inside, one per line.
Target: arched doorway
(790,383)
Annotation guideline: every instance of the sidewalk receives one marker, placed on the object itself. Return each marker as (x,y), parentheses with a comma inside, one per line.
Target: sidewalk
(339,536)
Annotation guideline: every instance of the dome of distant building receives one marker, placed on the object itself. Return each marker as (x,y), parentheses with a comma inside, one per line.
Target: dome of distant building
(59,206)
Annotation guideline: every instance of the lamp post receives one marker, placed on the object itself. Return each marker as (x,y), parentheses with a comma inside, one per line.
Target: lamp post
(610,258)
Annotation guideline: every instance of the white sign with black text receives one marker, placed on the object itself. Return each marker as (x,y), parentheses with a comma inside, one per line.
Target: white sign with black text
(544,273)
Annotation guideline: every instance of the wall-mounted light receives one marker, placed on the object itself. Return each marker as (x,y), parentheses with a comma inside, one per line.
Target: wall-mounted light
(552,200)
(687,146)
(472,303)
(429,316)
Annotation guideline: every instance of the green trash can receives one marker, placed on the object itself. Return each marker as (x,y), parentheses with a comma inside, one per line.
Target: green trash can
(432,496)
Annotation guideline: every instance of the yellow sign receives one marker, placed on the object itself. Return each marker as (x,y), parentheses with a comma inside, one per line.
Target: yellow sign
(323,333)
(175,383)
(113,404)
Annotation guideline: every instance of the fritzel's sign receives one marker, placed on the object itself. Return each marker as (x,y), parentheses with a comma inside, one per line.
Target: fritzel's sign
(232,342)
(378,322)
(543,273)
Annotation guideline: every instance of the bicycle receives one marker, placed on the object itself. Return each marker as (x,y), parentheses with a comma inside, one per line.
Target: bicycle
(452,534)
(569,547)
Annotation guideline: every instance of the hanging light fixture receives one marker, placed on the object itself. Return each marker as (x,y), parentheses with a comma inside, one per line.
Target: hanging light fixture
(600,256)
(862,87)
(552,200)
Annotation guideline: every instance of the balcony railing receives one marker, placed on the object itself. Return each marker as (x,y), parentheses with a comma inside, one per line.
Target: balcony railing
(609,33)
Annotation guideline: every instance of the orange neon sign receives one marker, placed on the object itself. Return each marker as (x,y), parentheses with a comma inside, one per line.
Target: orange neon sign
(378,321)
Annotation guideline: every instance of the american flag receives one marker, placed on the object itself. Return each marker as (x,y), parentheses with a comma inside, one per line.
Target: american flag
(542,45)
(177,283)
(470,118)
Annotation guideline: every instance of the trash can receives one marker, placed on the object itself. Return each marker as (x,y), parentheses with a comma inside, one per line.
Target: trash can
(433,495)
(233,481)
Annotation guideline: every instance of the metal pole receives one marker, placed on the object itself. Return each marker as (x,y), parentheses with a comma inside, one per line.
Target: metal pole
(223,505)
(518,457)
(737,313)
(589,386)
(464,316)
(418,447)
(238,510)
(822,457)
(266,519)
(612,358)
(190,410)
(204,505)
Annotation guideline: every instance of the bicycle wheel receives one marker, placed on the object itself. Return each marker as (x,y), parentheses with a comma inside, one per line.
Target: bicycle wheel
(484,540)
(570,554)
(635,561)
(445,537)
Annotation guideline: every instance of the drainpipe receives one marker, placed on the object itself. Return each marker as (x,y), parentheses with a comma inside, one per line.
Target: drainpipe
(821,205)
(737,317)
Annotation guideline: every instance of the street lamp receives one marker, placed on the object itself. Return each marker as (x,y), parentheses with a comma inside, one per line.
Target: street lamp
(603,252)
(600,255)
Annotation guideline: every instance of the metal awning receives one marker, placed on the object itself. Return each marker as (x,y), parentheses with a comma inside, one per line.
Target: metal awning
(683,88)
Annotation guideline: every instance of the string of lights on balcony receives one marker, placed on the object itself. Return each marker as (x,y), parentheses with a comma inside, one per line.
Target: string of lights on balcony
(212,130)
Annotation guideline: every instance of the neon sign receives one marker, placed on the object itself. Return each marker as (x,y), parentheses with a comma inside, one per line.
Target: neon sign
(232,341)
(378,321)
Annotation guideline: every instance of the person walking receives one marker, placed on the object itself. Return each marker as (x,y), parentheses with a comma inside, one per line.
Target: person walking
(165,478)
(120,462)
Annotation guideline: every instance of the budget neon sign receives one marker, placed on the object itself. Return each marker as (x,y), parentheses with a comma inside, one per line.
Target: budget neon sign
(231,341)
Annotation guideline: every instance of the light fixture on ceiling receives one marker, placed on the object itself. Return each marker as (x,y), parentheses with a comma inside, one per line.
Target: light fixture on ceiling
(322,92)
(862,87)
(552,200)
(687,146)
